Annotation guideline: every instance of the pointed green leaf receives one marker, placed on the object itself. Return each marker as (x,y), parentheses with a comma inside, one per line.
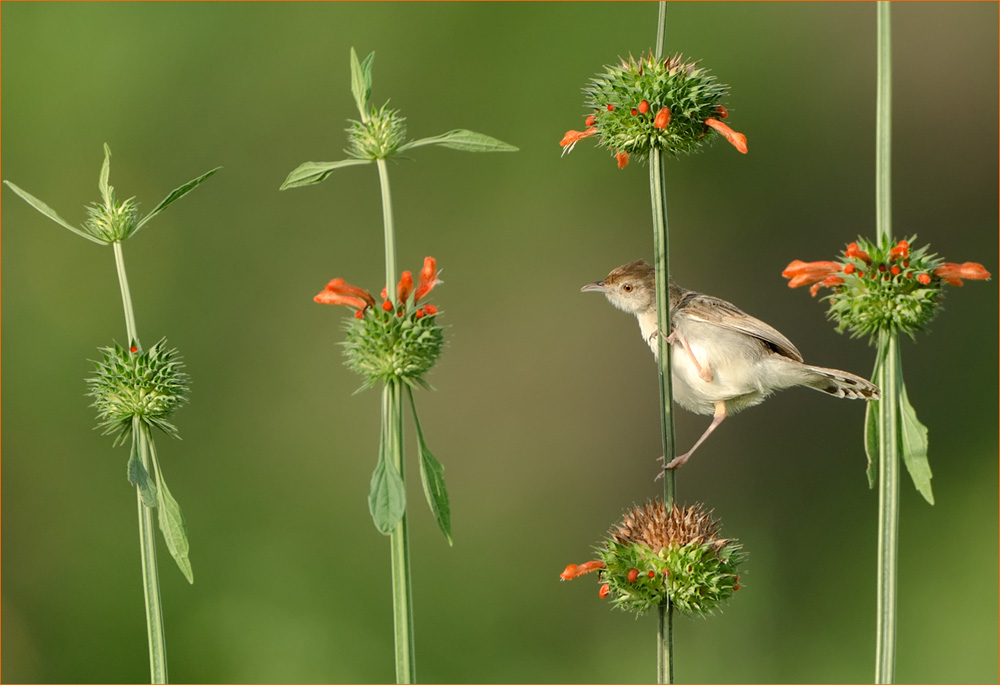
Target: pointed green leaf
(170,517)
(871,440)
(105,175)
(387,498)
(310,173)
(361,81)
(914,442)
(432,477)
(51,213)
(461,139)
(137,474)
(175,194)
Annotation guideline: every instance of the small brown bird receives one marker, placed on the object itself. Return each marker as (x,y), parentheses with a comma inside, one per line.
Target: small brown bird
(722,360)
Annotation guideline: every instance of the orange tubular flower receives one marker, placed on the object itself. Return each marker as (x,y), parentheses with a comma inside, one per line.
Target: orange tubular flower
(901,251)
(827,282)
(428,278)
(622,158)
(405,287)
(806,273)
(573,137)
(327,297)
(339,286)
(952,273)
(573,571)
(737,140)
(856,252)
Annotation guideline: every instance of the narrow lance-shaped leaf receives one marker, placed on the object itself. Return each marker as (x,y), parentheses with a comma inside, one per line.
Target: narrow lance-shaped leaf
(170,517)
(387,498)
(310,173)
(51,213)
(137,474)
(103,184)
(175,194)
(871,439)
(913,439)
(432,477)
(462,139)
(361,81)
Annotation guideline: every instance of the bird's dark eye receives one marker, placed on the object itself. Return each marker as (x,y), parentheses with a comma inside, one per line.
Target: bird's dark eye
(627,287)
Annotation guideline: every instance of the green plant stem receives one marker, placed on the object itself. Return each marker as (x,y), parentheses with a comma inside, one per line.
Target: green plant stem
(402,600)
(888,378)
(392,416)
(390,231)
(661,254)
(147,529)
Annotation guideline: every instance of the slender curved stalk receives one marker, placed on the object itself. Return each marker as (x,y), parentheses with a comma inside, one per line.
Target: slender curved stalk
(392,419)
(888,379)
(661,254)
(147,529)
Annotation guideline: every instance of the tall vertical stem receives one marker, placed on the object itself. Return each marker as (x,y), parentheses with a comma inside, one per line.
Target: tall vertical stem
(147,530)
(402,600)
(661,254)
(392,417)
(888,378)
(390,231)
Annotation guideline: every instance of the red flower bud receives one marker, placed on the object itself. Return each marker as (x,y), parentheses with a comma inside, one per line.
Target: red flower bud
(633,574)
(652,574)
(591,120)
(849,268)
(634,111)
(895,270)
(611,108)
(721,111)
(622,158)
(605,589)
(901,251)
(133,349)
(419,313)
(387,306)
(662,119)
(643,106)
(430,310)
(359,314)
(924,278)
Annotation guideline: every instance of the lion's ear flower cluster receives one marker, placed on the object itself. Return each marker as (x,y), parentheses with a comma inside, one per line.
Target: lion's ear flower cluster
(653,554)
(398,339)
(645,104)
(882,286)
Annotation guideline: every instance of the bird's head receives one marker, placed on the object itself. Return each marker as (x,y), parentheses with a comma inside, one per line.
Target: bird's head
(631,287)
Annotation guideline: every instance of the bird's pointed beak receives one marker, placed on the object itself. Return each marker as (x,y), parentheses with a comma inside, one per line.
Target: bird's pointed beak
(597,286)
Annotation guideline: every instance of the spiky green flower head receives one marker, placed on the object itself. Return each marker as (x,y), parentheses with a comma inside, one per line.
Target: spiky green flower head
(653,554)
(378,136)
(145,384)
(112,221)
(882,286)
(649,104)
(401,339)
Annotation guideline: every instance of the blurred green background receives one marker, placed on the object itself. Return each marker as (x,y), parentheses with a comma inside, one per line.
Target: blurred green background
(545,413)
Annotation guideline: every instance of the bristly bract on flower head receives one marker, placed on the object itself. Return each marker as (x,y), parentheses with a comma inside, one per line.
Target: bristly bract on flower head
(644,104)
